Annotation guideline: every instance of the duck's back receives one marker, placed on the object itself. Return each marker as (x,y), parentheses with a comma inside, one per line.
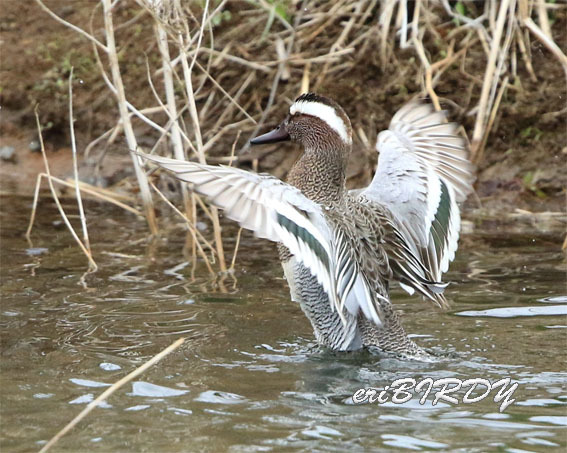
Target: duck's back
(365,239)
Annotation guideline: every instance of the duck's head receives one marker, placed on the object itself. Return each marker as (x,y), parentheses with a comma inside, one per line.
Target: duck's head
(314,121)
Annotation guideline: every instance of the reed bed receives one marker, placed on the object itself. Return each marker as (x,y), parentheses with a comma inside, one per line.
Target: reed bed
(218,72)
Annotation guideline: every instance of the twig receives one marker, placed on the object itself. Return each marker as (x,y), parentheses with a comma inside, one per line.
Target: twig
(227,111)
(251,64)
(428,72)
(82,32)
(547,42)
(211,78)
(109,391)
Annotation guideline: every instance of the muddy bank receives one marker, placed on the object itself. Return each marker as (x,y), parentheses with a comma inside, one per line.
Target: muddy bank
(523,165)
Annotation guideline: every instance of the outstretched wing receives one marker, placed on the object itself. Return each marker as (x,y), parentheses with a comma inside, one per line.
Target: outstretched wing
(423,172)
(279,212)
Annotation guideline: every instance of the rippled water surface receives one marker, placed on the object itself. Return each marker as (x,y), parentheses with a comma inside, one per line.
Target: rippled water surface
(249,376)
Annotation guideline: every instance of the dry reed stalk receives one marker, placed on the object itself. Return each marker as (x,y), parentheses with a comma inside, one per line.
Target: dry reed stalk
(34,205)
(525,57)
(233,262)
(305,78)
(192,107)
(543,19)
(484,107)
(195,233)
(232,157)
(187,77)
(503,57)
(384,21)
(428,72)
(96,192)
(92,265)
(217,232)
(123,109)
(235,252)
(401,23)
(171,109)
(109,391)
(171,19)
(172,122)
(111,196)
(282,56)
(76,168)
(478,158)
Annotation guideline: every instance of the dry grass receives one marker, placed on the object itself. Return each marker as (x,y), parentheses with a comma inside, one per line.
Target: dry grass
(214,76)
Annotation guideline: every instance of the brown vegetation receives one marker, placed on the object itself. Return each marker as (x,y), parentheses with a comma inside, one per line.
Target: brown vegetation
(203,77)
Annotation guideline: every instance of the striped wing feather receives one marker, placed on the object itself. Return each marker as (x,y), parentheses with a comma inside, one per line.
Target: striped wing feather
(423,172)
(279,212)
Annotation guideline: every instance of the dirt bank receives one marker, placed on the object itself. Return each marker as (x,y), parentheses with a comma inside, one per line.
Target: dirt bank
(523,166)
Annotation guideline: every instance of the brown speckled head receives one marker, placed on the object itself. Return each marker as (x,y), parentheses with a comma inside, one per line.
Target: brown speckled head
(315,120)
(322,127)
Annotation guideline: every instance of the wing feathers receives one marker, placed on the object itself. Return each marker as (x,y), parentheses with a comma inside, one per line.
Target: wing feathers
(423,171)
(279,212)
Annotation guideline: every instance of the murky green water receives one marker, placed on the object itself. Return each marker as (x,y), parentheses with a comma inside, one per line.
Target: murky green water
(249,377)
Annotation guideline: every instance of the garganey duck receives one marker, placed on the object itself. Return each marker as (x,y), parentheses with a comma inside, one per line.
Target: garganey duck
(340,248)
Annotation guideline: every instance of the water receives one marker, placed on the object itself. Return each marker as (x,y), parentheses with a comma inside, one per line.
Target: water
(249,376)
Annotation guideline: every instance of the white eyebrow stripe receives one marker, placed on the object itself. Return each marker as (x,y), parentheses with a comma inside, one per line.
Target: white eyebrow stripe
(325,113)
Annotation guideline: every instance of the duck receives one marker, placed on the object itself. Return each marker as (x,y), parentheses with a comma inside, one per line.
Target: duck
(341,249)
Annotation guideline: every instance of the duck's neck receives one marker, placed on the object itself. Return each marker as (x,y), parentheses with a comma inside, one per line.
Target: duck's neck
(321,173)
